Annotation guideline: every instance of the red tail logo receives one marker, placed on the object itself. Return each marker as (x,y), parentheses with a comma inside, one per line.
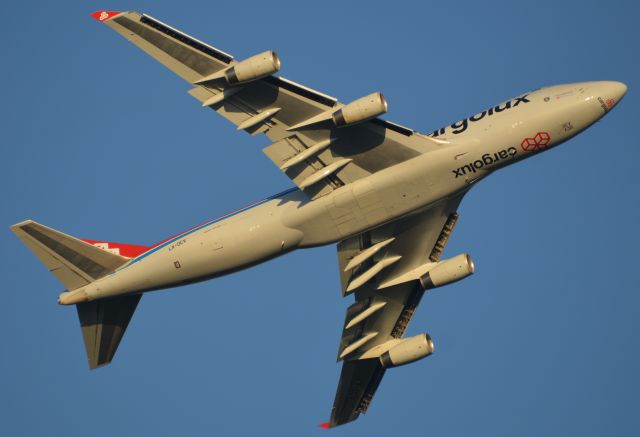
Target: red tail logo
(104,15)
(126,250)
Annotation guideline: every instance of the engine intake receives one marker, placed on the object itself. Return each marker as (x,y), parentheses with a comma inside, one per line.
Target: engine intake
(253,68)
(448,271)
(409,350)
(360,110)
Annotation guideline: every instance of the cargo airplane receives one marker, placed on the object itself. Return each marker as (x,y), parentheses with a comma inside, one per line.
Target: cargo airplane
(386,194)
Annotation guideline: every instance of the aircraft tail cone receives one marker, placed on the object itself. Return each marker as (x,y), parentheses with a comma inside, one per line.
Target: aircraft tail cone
(73,297)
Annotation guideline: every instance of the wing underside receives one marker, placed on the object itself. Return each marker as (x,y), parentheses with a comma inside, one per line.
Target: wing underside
(380,314)
(318,157)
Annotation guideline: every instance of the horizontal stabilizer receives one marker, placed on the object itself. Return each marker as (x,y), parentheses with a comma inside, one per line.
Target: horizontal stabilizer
(74,262)
(103,324)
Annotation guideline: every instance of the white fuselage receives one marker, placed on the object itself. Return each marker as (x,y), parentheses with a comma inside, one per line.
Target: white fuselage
(478,145)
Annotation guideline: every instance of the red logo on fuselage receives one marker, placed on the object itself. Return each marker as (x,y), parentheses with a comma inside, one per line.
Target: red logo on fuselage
(539,141)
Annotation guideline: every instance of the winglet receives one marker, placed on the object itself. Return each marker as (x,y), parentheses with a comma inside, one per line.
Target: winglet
(104,15)
(325,425)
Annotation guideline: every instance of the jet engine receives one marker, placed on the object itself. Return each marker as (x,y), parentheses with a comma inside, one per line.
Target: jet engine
(448,271)
(253,68)
(360,110)
(409,350)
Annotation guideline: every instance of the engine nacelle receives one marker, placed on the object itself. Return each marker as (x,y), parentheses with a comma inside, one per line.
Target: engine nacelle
(360,110)
(409,350)
(253,68)
(448,271)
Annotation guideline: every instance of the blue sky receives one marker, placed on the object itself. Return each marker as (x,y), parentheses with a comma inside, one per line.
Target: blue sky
(100,141)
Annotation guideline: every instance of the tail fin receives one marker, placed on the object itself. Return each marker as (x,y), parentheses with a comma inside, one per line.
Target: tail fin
(77,263)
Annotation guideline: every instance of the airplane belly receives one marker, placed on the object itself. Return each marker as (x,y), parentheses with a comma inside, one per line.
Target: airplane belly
(223,247)
(375,200)
(242,242)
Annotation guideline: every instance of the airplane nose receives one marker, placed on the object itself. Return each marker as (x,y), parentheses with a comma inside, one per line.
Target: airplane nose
(613,92)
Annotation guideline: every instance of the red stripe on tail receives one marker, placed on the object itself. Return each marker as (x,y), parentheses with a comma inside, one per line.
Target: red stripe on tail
(126,250)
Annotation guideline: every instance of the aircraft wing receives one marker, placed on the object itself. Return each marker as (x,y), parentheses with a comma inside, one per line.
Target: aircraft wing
(316,155)
(380,314)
